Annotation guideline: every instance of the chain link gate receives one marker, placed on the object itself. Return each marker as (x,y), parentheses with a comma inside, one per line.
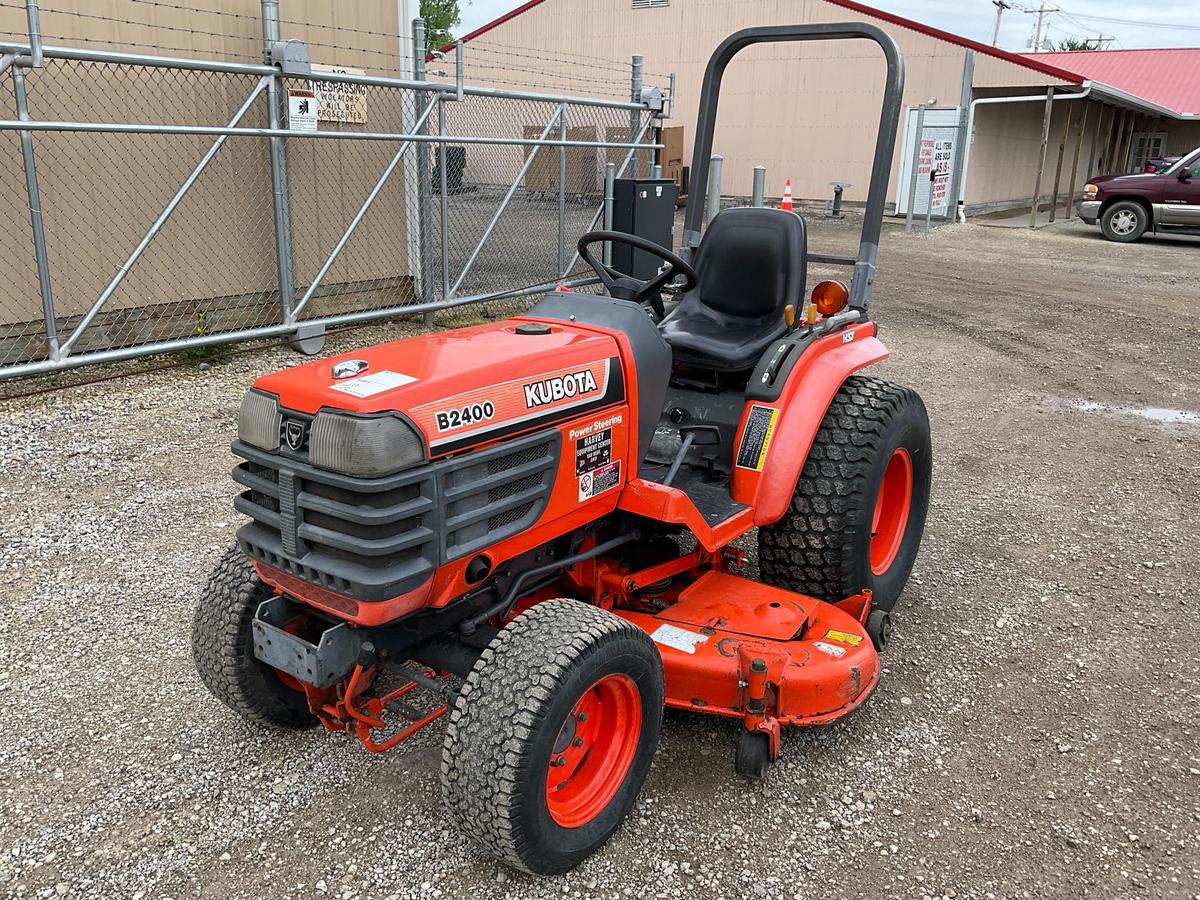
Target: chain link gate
(157,204)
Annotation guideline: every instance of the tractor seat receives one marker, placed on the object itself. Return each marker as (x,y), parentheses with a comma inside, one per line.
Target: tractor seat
(751,263)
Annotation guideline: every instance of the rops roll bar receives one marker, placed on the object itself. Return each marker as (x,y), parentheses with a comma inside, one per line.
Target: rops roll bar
(885,143)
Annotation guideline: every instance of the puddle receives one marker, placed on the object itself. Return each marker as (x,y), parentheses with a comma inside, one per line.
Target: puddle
(1159,414)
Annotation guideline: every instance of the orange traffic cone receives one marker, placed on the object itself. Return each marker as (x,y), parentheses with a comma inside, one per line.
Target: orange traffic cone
(786,203)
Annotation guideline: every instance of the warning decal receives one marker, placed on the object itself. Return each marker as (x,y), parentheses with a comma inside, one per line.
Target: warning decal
(593,451)
(756,438)
(592,484)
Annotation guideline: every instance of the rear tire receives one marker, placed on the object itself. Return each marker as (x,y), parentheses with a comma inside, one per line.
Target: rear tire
(1125,221)
(552,735)
(223,648)
(858,512)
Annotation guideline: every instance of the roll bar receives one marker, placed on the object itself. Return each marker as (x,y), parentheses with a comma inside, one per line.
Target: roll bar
(885,143)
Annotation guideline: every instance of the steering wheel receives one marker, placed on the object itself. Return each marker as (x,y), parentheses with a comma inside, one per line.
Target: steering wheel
(626,287)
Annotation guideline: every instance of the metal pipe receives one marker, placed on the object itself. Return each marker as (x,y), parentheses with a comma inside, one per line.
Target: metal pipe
(966,92)
(562,194)
(424,205)
(671,99)
(713,202)
(678,460)
(214,130)
(460,69)
(919,131)
(610,179)
(158,223)
(269,11)
(6,62)
(230,337)
(285,270)
(487,232)
(636,66)
(357,220)
(445,198)
(656,172)
(34,24)
(760,186)
(35,218)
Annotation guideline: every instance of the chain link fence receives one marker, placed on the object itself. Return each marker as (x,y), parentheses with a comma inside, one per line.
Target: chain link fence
(184,203)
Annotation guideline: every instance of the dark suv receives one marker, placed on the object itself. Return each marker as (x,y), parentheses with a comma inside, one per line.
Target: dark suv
(1127,206)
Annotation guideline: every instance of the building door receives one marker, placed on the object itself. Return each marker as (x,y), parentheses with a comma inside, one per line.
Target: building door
(1181,197)
(938,150)
(1146,145)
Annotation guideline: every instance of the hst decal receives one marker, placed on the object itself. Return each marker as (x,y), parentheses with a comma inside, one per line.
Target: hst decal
(560,387)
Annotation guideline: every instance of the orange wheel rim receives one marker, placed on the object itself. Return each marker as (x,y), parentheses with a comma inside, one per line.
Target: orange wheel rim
(892,506)
(594,751)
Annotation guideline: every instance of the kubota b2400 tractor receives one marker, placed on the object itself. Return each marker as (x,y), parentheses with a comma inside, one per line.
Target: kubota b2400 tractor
(547,507)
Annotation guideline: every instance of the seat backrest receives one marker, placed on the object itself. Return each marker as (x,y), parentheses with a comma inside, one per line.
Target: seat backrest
(752,262)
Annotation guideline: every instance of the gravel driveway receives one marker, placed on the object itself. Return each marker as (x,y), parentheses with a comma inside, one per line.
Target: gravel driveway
(1035,733)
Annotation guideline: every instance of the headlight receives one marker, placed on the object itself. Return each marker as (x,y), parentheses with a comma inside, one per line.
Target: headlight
(364,447)
(1090,191)
(259,420)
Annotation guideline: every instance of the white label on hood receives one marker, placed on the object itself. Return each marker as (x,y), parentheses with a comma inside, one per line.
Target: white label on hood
(375,383)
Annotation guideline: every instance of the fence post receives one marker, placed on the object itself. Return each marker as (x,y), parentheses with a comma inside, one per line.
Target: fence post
(424,208)
(916,164)
(445,196)
(956,188)
(35,34)
(1037,182)
(760,186)
(635,116)
(610,175)
(279,178)
(35,215)
(562,193)
(714,186)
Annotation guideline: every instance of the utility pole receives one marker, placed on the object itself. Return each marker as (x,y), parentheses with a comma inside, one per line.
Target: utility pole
(1001,6)
(1101,40)
(1040,12)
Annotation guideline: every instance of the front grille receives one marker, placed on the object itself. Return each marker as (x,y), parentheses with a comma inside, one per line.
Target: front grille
(493,494)
(377,538)
(369,538)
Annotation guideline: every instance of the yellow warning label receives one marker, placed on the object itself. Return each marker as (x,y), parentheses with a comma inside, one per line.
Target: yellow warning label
(756,437)
(846,638)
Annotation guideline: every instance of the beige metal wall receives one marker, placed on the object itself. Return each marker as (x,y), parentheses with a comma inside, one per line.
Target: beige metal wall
(808,112)
(214,261)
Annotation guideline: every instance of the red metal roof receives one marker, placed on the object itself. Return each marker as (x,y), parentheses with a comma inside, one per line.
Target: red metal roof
(1170,78)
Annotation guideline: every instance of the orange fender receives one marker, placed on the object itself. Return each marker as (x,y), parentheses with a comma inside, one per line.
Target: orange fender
(810,389)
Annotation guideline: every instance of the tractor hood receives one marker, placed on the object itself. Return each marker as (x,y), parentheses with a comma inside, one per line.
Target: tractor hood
(463,387)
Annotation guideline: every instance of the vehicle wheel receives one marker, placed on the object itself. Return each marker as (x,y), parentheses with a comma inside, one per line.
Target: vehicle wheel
(552,735)
(1125,221)
(879,629)
(223,649)
(753,757)
(858,512)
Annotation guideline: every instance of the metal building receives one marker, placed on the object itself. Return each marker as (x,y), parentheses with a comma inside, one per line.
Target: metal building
(808,112)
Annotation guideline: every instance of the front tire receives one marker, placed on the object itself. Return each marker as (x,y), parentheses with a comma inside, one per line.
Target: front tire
(1125,221)
(552,735)
(223,649)
(857,515)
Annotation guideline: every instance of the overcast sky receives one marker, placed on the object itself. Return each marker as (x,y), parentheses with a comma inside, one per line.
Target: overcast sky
(1177,24)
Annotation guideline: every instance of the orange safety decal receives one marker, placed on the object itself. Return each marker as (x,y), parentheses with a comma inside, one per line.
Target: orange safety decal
(756,437)
(520,403)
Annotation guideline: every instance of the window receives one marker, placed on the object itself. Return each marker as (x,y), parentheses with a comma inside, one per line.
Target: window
(646,4)
(1146,145)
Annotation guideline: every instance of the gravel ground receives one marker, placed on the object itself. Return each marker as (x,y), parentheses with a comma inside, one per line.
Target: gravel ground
(1034,734)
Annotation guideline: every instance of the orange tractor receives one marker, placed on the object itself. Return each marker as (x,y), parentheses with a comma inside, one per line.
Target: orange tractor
(549,507)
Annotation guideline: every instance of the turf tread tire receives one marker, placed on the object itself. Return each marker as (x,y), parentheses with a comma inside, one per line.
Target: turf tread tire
(816,548)
(490,761)
(223,652)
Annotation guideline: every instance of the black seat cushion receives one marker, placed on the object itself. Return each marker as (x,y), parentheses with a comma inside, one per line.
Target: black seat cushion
(751,263)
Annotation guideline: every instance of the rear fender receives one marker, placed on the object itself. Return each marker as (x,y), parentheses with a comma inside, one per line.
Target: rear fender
(796,416)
